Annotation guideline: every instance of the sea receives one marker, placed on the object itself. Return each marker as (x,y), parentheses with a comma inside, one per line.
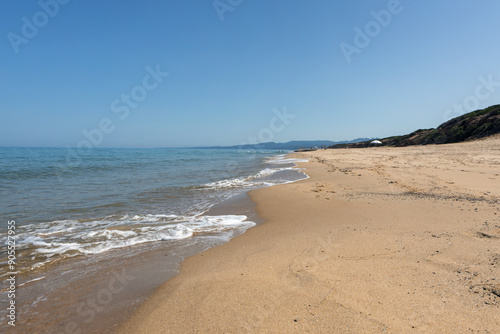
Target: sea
(69,209)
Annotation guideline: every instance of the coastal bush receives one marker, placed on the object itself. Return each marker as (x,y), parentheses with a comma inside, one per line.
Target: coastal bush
(473,125)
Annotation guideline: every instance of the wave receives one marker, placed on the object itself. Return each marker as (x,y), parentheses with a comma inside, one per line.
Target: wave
(73,237)
(281,159)
(260,179)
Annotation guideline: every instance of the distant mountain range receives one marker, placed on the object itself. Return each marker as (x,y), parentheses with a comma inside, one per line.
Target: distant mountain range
(473,125)
(470,126)
(291,145)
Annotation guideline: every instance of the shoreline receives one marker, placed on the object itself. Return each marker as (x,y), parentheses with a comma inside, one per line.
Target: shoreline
(113,283)
(100,301)
(383,239)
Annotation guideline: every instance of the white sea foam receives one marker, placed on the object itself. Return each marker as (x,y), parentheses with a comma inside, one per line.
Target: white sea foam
(32,280)
(93,237)
(281,159)
(256,180)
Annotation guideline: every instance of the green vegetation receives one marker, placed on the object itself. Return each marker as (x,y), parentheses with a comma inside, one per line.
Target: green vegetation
(470,126)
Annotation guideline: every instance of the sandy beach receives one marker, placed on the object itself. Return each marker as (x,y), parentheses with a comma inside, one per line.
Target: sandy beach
(377,240)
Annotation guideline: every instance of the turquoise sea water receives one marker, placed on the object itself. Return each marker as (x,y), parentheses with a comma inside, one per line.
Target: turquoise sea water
(65,204)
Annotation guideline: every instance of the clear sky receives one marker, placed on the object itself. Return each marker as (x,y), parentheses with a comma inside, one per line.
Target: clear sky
(97,70)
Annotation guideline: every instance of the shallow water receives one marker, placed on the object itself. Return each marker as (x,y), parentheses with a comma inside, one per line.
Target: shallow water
(117,198)
(142,211)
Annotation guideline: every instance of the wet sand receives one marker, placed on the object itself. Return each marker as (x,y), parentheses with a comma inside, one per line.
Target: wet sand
(94,294)
(378,240)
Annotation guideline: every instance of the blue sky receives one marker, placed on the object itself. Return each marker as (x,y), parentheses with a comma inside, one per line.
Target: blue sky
(232,67)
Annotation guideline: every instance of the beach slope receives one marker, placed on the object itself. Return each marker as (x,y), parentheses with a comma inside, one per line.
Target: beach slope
(377,240)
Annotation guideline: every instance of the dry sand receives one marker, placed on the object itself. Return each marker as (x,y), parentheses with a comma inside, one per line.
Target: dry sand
(379,240)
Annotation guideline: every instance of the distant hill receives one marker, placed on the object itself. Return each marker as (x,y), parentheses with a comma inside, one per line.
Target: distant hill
(291,145)
(474,125)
